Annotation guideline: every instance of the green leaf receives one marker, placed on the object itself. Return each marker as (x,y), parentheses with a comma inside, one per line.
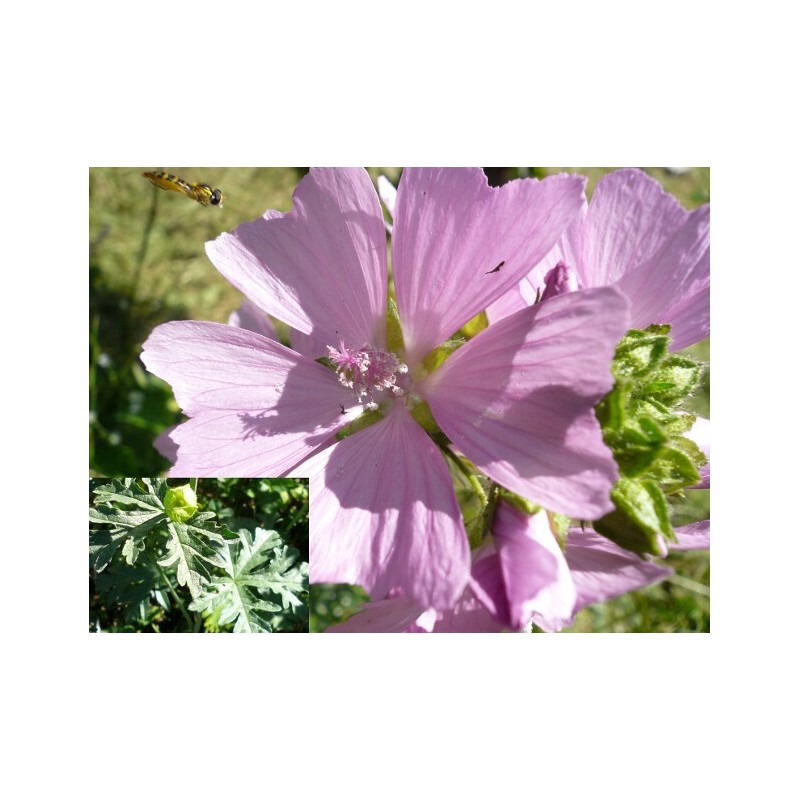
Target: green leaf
(259,569)
(192,547)
(128,494)
(123,514)
(640,522)
(130,587)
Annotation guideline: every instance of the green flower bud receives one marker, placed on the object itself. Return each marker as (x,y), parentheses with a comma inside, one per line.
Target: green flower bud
(180,503)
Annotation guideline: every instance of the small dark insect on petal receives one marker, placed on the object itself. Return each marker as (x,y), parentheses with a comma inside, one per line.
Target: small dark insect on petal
(496,269)
(342,407)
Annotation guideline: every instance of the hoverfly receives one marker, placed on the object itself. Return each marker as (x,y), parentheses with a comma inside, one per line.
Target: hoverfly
(201,192)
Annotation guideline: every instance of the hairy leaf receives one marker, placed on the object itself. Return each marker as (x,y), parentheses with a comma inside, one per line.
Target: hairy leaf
(192,547)
(259,569)
(127,514)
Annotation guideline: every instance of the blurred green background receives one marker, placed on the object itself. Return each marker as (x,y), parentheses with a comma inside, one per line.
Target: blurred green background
(147,265)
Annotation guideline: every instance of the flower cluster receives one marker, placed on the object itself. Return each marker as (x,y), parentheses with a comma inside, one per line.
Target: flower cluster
(445,466)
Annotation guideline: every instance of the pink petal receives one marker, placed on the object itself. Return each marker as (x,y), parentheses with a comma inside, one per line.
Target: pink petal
(484,592)
(537,579)
(451,232)
(322,266)
(257,407)
(673,286)
(384,515)
(250,317)
(479,609)
(518,400)
(391,615)
(525,294)
(602,570)
(694,536)
(165,446)
(309,344)
(629,219)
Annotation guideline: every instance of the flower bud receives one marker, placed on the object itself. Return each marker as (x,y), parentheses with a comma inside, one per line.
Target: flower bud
(180,503)
(560,280)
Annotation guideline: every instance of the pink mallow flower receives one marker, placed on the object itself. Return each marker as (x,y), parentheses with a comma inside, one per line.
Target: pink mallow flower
(525,579)
(517,400)
(635,236)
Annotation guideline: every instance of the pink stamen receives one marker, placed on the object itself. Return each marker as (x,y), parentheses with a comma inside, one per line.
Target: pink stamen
(367,371)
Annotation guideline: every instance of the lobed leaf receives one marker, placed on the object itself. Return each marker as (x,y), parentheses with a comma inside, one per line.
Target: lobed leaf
(259,569)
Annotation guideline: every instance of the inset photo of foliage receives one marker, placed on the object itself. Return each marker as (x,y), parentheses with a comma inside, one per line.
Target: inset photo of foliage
(198,555)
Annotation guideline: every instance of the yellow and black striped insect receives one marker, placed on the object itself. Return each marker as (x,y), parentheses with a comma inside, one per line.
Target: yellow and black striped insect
(201,192)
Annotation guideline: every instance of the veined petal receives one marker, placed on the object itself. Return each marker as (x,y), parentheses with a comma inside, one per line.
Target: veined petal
(257,407)
(518,400)
(602,570)
(694,536)
(165,446)
(320,268)
(628,220)
(384,515)
(390,615)
(451,233)
(525,294)
(250,317)
(537,579)
(482,607)
(673,286)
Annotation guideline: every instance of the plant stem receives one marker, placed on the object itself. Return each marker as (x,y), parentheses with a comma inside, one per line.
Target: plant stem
(148,229)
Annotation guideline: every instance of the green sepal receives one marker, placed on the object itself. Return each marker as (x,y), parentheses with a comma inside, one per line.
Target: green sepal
(610,410)
(640,521)
(422,414)
(326,362)
(522,503)
(394,331)
(477,324)
(473,496)
(359,423)
(180,503)
(472,510)
(440,354)
(637,445)
(559,525)
(691,449)
(674,424)
(640,352)
(674,470)
(675,378)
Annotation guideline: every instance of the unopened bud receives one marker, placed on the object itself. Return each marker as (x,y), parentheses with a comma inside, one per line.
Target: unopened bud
(560,280)
(180,503)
